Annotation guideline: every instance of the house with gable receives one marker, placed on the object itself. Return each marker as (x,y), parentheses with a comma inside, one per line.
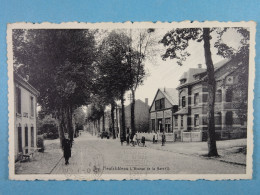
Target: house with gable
(165,103)
(191,117)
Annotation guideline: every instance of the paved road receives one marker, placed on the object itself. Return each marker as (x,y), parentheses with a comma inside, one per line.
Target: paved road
(95,155)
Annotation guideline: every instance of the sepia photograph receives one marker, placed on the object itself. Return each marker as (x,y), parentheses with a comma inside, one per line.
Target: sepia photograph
(103,101)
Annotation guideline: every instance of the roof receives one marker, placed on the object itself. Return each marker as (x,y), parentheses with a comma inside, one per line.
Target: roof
(171,94)
(192,72)
(181,111)
(189,75)
(19,79)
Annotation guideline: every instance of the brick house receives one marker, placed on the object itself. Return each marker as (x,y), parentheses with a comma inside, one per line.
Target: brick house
(191,118)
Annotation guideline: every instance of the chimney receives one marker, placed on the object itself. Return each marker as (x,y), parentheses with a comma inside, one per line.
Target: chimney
(146,101)
(164,89)
(199,65)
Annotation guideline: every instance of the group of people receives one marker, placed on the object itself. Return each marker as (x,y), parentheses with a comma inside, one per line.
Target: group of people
(156,138)
(133,140)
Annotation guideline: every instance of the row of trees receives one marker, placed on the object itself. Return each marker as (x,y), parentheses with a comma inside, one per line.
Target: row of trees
(71,68)
(120,68)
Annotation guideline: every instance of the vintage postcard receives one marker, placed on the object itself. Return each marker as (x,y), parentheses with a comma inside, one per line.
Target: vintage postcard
(142,100)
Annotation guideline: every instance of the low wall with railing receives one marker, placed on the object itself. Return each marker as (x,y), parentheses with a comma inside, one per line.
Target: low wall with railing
(149,136)
(192,136)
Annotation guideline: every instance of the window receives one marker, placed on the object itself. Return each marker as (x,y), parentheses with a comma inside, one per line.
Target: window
(32,106)
(181,121)
(160,104)
(153,124)
(157,104)
(196,98)
(26,139)
(32,137)
(176,121)
(196,120)
(183,101)
(219,95)
(18,100)
(229,95)
(229,118)
(218,119)
(168,125)
(183,81)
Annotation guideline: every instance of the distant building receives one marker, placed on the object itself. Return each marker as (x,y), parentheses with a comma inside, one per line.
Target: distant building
(25,130)
(191,118)
(165,103)
(141,116)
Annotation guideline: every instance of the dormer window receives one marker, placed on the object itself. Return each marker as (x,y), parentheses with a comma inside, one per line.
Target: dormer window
(183,81)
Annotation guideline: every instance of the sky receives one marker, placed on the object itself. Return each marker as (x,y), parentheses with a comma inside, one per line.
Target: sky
(167,73)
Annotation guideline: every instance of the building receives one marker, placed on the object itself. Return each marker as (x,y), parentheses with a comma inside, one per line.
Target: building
(141,116)
(165,103)
(25,130)
(191,118)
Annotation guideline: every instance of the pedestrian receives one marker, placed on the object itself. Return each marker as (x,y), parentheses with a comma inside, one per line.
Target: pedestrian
(66,146)
(143,141)
(134,139)
(122,140)
(127,139)
(163,139)
(154,137)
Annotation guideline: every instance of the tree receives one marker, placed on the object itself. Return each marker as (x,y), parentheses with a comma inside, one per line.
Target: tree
(140,44)
(59,64)
(242,55)
(177,41)
(113,72)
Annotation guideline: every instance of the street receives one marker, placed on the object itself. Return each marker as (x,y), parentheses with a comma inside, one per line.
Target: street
(107,156)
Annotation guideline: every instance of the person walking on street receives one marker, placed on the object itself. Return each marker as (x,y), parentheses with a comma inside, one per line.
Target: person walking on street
(163,139)
(143,141)
(122,140)
(66,146)
(154,137)
(134,139)
(127,139)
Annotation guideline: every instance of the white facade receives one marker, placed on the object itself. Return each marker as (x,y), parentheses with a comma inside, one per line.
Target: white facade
(25,130)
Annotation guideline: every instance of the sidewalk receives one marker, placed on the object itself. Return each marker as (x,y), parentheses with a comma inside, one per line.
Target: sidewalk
(230,151)
(42,163)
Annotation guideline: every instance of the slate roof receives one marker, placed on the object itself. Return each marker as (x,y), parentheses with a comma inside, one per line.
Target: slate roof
(192,72)
(171,94)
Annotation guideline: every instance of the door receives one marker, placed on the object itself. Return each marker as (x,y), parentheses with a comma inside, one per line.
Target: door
(32,137)
(26,139)
(160,126)
(20,138)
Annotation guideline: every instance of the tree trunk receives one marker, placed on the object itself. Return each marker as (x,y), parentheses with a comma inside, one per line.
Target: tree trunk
(123,134)
(103,124)
(59,118)
(69,121)
(98,125)
(113,119)
(212,148)
(133,113)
